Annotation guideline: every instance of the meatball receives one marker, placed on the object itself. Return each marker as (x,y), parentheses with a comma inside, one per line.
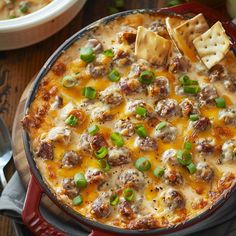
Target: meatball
(188,108)
(204,172)
(125,128)
(216,73)
(168,133)
(207,95)
(173,199)
(45,150)
(101,113)
(144,223)
(70,188)
(125,209)
(179,64)
(84,144)
(119,156)
(167,108)
(160,88)
(71,159)
(172,177)
(97,141)
(95,44)
(111,96)
(131,178)
(229,150)
(228,116)
(95,176)
(169,157)
(146,144)
(96,69)
(101,206)
(202,124)
(205,145)
(129,85)
(59,134)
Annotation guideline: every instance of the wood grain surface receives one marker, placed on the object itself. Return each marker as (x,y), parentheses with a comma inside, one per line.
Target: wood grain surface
(17,67)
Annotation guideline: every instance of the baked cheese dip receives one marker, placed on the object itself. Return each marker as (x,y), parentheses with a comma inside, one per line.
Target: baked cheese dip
(10,9)
(134,126)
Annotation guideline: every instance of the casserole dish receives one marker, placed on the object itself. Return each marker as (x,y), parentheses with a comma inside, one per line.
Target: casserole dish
(33,219)
(32,28)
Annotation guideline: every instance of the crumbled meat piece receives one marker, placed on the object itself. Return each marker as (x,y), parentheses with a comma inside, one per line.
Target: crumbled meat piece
(126,210)
(173,199)
(188,107)
(138,67)
(125,128)
(228,115)
(58,103)
(101,113)
(230,83)
(122,58)
(96,69)
(59,134)
(129,85)
(111,96)
(172,177)
(84,144)
(95,44)
(101,206)
(179,64)
(167,108)
(167,133)
(97,141)
(229,150)
(146,144)
(59,69)
(128,36)
(205,145)
(202,124)
(45,150)
(144,223)
(118,156)
(169,157)
(216,73)
(207,95)
(95,176)
(71,159)
(70,188)
(159,27)
(204,172)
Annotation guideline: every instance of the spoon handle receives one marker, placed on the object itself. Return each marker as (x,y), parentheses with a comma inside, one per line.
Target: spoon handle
(3,178)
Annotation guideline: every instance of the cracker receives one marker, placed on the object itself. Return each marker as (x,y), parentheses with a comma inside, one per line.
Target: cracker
(213,45)
(151,47)
(187,32)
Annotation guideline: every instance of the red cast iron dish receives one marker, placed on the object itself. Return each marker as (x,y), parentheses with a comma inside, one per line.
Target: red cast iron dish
(31,214)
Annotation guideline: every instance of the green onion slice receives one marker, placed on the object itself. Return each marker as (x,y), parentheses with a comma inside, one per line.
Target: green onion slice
(87,54)
(23,6)
(108,53)
(104,165)
(80,180)
(93,129)
(146,77)
(141,111)
(192,168)
(128,194)
(89,92)
(220,102)
(114,75)
(77,201)
(141,131)
(185,80)
(187,146)
(161,125)
(158,171)
(191,89)
(194,117)
(101,153)
(71,120)
(114,199)
(184,157)
(143,164)
(117,139)
(68,81)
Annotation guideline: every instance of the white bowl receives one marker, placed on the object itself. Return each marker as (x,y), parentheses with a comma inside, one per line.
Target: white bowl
(30,29)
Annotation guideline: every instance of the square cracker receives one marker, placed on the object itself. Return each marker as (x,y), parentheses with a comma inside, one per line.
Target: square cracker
(213,45)
(187,32)
(151,46)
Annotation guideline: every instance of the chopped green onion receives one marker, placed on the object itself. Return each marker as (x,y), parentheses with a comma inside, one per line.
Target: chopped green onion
(128,194)
(187,146)
(191,89)
(185,80)
(24,7)
(141,131)
(120,3)
(158,171)
(103,164)
(77,201)
(161,125)
(220,102)
(101,153)
(114,199)
(141,111)
(80,180)
(87,54)
(93,129)
(146,77)
(108,53)
(192,168)
(143,164)
(173,3)
(117,139)
(194,117)
(89,92)
(71,120)
(184,157)
(114,75)
(69,81)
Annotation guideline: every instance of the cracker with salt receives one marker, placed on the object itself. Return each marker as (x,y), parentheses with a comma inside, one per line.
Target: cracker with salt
(151,46)
(187,32)
(213,45)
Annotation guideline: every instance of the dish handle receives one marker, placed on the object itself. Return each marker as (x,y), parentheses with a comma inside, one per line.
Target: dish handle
(31,215)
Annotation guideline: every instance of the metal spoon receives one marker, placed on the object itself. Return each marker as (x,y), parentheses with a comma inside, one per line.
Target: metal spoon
(5,150)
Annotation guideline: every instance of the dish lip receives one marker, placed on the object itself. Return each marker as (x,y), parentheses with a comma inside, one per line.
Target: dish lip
(34,170)
(39,17)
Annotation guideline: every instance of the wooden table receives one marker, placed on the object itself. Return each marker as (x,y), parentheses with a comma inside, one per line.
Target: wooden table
(17,67)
